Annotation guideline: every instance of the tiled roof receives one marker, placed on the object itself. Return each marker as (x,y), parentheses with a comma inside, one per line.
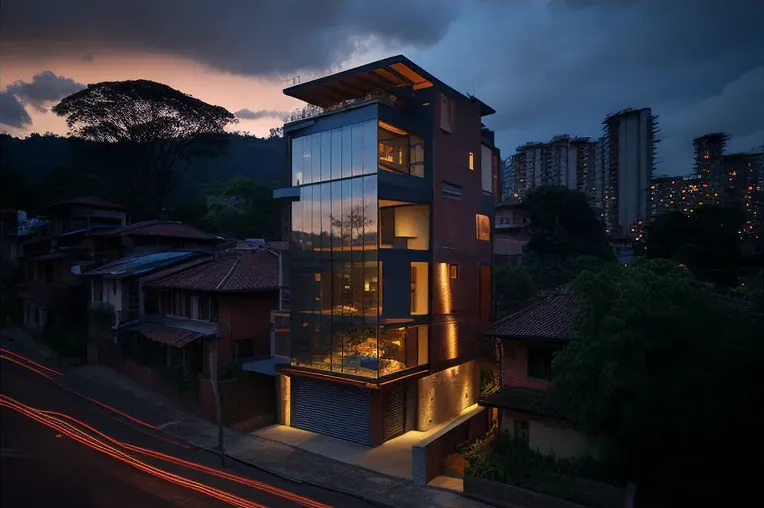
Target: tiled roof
(137,265)
(170,229)
(525,400)
(551,318)
(228,272)
(175,337)
(92,201)
(171,331)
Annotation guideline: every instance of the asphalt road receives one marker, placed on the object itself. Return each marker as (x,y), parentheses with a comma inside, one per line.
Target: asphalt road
(41,467)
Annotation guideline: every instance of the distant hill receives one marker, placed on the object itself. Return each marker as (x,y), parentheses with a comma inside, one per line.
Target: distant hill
(261,159)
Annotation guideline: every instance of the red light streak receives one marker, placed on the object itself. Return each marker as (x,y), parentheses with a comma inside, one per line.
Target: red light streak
(58,418)
(28,367)
(94,444)
(41,366)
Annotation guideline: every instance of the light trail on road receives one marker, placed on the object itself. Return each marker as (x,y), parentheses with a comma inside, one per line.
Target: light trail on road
(59,420)
(115,453)
(24,358)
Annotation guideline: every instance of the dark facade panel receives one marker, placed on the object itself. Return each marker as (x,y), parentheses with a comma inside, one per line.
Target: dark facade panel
(333,409)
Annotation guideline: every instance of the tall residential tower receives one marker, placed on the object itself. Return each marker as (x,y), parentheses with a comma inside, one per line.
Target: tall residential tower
(629,138)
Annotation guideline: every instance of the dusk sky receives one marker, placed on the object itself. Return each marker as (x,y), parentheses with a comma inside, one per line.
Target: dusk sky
(547,67)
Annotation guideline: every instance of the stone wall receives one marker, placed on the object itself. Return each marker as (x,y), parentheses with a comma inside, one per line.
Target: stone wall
(443,395)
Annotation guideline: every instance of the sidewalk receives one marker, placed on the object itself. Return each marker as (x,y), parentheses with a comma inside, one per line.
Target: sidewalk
(107,386)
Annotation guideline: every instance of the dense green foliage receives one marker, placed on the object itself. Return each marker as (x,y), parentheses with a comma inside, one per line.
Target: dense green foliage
(707,241)
(666,376)
(242,208)
(563,226)
(501,458)
(30,179)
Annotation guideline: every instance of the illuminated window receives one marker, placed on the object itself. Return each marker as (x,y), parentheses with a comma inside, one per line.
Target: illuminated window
(453,271)
(472,161)
(419,288)
(482,227)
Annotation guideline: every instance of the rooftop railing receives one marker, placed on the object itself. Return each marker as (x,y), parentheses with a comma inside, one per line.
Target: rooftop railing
(311,111)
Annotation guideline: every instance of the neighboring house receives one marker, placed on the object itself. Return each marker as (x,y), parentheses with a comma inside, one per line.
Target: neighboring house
(115,287)
(510,233)
(80,235)
(389,268)
(528,341)
(148,237)
(199,314)
(51,260)
(235,292)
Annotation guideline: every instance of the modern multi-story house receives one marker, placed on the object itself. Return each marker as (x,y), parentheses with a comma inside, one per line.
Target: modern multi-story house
(628,154)
(390,252)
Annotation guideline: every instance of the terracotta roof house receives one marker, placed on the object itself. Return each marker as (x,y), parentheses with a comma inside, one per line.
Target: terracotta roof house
(205,312)
(528,341)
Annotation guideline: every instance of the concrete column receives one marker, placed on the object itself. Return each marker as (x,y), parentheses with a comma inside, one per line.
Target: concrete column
(283,400)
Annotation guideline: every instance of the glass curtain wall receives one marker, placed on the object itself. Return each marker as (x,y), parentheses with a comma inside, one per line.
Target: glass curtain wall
(335,274)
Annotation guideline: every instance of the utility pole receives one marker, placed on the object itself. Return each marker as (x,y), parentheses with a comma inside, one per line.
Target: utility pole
(216,393)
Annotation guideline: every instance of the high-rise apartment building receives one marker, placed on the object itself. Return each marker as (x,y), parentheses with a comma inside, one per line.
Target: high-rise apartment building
(574,163)
(393,179)
(741,186)
(676,193)
(628,154)
(708,152)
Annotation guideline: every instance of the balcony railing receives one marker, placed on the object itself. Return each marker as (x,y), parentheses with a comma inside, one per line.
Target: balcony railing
(311,111)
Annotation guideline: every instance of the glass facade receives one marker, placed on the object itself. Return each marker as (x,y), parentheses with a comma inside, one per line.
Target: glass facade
(331,155)
(335,271)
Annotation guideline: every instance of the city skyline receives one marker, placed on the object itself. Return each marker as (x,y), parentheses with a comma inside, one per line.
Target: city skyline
(653,58)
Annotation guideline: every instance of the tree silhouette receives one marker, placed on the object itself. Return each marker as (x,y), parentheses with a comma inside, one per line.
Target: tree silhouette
(152,129)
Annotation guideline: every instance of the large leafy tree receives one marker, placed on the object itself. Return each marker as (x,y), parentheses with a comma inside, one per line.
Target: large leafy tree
(665,375)
(242,208)
(563,225)
(707,242)
(153,130)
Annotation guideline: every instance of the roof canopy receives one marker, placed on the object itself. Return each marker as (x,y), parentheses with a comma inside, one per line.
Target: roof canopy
(395,75)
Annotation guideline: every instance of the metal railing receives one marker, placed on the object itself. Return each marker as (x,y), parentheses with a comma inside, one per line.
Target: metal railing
(311,111)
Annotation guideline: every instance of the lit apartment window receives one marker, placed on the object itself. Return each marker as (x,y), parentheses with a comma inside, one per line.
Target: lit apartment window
(482,227)
(453,271)
(472,161)
(419,287)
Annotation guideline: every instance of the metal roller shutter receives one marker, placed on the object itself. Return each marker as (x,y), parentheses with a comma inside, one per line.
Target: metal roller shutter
(333,409)
(395,412)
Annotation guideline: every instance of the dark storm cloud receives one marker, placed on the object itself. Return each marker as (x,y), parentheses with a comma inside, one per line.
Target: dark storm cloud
(554,67)
(44,88)
(248,114)
(12,112)
(239,36)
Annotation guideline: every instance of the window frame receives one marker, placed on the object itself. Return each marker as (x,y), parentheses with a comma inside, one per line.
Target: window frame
(539,354)
(482,231)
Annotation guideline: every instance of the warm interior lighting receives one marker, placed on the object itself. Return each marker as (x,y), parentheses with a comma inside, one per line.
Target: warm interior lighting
(472,161)
(394,130)
(446,303)
(419,288)
(482,227)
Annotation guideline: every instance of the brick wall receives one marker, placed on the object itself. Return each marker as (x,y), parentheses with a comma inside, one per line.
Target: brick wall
(515,366)
(246,316)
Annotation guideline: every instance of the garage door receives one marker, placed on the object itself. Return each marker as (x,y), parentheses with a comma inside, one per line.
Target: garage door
(333,409)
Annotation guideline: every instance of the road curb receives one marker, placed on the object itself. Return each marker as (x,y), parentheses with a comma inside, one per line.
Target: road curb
(283,476)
